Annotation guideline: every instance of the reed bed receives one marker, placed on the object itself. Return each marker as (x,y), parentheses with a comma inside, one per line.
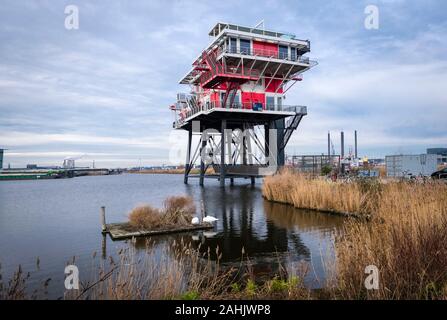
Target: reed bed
(307,192)
(183,273)
(405,236)
(177,211)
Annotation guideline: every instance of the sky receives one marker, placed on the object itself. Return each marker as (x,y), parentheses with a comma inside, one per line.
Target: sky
(102,91)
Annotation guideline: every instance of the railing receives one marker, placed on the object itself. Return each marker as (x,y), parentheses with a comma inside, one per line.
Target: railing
(189,111)
(218,69)
(275,54)
(259,31)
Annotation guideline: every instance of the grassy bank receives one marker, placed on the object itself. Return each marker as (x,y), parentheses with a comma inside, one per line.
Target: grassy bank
(405,236)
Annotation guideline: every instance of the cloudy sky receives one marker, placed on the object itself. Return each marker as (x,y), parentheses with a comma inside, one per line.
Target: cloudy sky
(103,91)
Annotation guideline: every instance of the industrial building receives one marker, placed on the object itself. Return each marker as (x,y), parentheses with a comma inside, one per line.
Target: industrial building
(1,158)
(238,85)
(440,152)
(411,165)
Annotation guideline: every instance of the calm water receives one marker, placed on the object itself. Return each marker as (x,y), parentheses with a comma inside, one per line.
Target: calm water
(58,219)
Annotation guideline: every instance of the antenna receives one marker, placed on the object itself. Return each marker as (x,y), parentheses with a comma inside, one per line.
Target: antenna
(259,24)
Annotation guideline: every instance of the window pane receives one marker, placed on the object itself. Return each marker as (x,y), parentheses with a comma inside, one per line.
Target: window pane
(293,54)
(283,52)
(270,103)
(233,45)
(245,46)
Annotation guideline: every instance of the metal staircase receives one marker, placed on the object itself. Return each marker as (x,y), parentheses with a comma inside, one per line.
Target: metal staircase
(291,125)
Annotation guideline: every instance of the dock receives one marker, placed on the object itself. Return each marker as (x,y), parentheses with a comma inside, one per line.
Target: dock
(121,231)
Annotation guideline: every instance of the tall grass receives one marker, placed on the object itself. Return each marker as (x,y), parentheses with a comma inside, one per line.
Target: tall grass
(182,272)
(176,212)
(408,243)
(406,236)
(307,192)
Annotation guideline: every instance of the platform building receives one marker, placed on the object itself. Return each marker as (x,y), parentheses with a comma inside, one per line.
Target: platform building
(237,101)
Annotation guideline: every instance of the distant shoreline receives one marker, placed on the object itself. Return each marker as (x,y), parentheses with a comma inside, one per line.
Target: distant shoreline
(168,171)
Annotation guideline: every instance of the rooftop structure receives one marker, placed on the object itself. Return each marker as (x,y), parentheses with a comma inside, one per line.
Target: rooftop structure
(239,82)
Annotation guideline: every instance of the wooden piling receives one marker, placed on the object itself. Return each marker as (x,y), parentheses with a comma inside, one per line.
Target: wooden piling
(202,210)
(103,219)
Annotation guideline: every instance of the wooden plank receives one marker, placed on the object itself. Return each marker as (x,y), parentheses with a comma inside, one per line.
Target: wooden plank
(119,231)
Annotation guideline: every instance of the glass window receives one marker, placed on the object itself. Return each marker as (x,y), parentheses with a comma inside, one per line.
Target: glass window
(283,52)
(233,45)
(245,46)
(236,99)
(222,98)
(270,103)
(293,54)
(279,103)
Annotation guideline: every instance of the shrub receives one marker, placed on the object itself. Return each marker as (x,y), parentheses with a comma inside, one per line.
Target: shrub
(179,210)
(145,217)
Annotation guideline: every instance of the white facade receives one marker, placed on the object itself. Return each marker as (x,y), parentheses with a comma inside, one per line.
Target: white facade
(414,165)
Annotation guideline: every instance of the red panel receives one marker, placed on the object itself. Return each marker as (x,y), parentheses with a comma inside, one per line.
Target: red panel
(265,48)
(248,98)
(214,97)
(273,85)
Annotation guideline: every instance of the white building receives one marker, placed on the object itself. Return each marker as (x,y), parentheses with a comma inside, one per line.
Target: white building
(414,165)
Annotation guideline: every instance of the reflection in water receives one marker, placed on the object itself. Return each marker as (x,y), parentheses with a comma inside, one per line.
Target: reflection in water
(273,236)
(58,219)
(288,217)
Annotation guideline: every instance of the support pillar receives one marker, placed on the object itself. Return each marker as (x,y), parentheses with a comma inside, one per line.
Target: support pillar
(222,153)
(188,156)
(203,142)
(267,141)
(280,128)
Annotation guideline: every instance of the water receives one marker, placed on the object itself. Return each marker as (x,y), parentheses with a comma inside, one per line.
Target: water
(58,219)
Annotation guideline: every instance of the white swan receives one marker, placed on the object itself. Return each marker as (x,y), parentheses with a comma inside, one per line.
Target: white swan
(209,219)
(195,221)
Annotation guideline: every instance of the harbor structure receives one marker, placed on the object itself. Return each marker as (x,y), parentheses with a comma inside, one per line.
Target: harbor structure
(440,152)
(236,104)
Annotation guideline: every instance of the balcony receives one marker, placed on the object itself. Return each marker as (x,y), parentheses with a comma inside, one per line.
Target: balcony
(220,73)
(270,54)
(187,113)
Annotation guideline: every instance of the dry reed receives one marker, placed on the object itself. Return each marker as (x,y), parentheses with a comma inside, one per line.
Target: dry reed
(177,211)
(406,236)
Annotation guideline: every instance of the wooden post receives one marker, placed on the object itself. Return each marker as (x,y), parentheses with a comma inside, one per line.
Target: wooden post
(103,219)
(222,152)
(104,246)
(202,210)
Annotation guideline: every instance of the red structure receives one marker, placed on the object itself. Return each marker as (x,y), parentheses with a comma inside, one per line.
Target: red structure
(239,83)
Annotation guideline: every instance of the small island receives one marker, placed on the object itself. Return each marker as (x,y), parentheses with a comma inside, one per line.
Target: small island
(177,215)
